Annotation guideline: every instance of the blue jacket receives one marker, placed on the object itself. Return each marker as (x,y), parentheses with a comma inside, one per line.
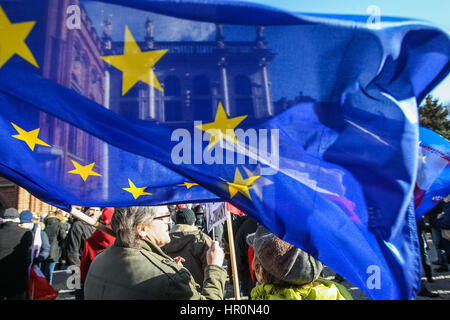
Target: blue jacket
(45,247)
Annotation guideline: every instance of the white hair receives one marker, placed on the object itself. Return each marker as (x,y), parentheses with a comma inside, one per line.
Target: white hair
(125,220)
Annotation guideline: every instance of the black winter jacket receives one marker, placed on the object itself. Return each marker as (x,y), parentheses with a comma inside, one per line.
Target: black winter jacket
(78,234)
(15,258)
(56,234)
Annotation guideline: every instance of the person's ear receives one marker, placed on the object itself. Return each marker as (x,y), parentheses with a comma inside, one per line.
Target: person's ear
(141,230)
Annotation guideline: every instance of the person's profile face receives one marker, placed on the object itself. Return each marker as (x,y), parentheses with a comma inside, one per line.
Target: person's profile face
(159,229)
(93,212)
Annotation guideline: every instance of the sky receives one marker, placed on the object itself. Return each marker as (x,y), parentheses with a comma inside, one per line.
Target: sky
(434,11)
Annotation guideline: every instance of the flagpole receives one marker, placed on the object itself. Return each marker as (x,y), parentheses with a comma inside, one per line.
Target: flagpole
(32,288)
(237,293)
(97,225)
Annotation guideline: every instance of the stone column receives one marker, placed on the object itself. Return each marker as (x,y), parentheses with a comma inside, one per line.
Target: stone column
(149,38)
(151,100)
(220,39)
(263,64)
(107,48)
(224,78)
(260,42)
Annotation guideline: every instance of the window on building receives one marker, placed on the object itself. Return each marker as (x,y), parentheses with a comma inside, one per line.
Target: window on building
(76,73)
(75,83)
(129,104)
(49,121)
(201,86)
(173,110)
(172,86)
(72,140)
(129,109)
(201,98)
(85,63)
(243,96)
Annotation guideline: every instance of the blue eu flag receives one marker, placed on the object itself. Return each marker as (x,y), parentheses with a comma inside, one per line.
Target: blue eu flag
(307,123)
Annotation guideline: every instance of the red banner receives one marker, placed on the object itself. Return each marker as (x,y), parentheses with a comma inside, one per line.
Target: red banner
(39,288)
(233,210)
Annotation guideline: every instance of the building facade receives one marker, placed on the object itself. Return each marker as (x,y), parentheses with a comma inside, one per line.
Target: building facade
(195,75)
(71,58)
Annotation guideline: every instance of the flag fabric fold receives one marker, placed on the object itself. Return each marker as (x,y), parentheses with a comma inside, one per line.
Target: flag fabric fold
(308,124)
(433,178)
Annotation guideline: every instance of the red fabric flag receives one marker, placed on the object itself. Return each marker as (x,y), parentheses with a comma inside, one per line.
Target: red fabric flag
(39,288)
(250,261)
(233,210)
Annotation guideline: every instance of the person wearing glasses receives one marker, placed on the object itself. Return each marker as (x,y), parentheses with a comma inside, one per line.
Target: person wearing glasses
(135,268)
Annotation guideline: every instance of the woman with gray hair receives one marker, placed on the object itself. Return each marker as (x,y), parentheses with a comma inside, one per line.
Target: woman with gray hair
(135,268)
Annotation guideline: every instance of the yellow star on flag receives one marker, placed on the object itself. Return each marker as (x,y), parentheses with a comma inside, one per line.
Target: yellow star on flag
(424,159)
(84,171)
(12,40)
(135,191)
(30,137)
(222,127)
(136,65)
(188,184)
(241,185)
(262,181)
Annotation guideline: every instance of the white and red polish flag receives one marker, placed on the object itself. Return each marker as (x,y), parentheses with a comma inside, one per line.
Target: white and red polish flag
(39,288)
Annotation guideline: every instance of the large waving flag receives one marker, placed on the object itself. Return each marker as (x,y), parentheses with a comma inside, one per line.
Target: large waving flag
(307,123)
(433,178)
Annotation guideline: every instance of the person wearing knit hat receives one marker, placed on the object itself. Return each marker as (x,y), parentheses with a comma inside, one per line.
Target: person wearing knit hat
(15,256)
(27,221)
(188,243)
(11,215)
(135,268)
(185,216)
(285,272)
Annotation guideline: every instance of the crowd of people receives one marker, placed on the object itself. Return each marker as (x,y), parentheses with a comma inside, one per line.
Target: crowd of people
(165,252)
(435,222)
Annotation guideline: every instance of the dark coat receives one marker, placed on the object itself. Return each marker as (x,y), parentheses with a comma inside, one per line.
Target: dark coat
(123,273)
(192,244)
(56,234)
(443,221)
(431,215)
(78,234)
(247,227)
(15,258)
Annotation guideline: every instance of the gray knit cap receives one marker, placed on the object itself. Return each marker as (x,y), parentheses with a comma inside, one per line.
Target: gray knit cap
(283,260)
(10,213)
